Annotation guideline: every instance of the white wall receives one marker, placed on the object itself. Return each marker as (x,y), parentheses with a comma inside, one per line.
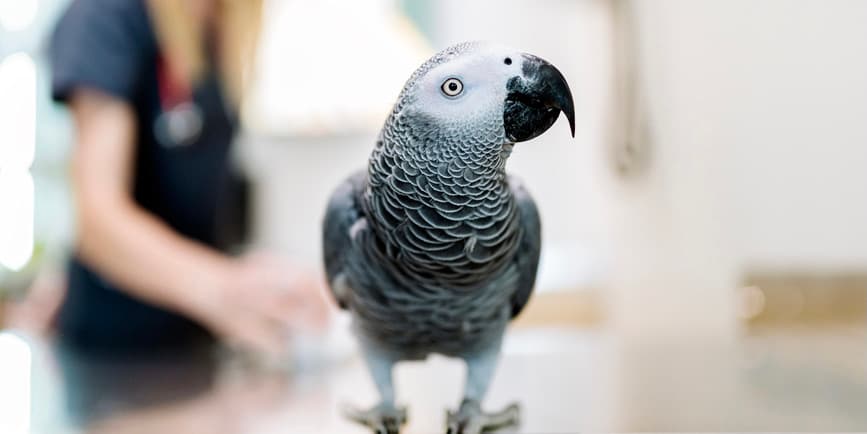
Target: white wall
(755,116)
(779,88)
(672,271)
(795,117)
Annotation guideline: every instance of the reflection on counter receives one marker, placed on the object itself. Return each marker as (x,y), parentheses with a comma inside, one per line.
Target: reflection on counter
(567,380)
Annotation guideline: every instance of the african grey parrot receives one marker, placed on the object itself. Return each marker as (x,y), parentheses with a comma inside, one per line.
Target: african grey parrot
(433,248)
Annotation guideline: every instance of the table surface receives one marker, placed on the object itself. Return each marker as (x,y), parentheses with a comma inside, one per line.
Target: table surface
(566,381)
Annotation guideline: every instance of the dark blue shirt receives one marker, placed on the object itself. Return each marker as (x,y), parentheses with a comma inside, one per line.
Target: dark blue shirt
(110,46)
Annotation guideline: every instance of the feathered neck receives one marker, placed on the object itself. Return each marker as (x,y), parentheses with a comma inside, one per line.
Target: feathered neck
(445,213)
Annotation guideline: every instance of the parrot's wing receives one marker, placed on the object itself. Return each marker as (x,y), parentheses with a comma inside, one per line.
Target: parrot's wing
(342,213)
(527,258)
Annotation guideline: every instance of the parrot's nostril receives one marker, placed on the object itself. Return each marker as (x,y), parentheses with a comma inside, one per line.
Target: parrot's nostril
(508,61)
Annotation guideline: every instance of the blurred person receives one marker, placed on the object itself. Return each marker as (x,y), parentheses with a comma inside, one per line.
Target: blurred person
(154,87)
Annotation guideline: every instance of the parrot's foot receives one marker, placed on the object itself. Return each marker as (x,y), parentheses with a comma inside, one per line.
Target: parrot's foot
(470,419)
(383,419)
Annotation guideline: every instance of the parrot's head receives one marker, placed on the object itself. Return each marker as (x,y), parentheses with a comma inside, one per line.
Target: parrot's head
(480,93)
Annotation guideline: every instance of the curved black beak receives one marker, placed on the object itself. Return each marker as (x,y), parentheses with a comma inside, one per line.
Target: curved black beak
(535,99)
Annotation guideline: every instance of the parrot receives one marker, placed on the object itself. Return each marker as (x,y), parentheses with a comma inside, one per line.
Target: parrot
(433,248)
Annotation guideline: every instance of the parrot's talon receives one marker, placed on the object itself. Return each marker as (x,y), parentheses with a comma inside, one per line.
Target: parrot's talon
(382,419)
(470,419)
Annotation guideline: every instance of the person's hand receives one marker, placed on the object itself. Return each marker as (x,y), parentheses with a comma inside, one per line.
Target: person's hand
(260,300)
(36,312)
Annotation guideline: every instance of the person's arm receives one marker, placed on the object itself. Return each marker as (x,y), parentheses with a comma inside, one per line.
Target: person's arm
(127,244)
(244,300)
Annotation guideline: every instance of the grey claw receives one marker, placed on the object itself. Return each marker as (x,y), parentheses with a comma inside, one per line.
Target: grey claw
(470,419)
(383,419)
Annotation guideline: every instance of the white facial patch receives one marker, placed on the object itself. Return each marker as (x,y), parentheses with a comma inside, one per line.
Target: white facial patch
(480,75)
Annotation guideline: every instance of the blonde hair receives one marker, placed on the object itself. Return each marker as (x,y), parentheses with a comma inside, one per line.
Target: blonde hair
(181,38)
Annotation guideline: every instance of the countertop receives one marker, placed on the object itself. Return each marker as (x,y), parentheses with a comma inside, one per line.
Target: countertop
(567,380)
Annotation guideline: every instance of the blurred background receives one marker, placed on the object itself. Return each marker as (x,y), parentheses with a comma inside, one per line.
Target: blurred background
(705,249)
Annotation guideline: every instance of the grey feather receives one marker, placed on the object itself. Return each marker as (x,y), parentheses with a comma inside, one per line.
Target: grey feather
(342,213)
(527,258)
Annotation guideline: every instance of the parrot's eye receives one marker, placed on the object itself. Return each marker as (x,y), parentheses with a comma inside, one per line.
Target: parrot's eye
(452,87)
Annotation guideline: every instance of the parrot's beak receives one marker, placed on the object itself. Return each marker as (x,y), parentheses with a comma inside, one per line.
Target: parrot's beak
(535,99)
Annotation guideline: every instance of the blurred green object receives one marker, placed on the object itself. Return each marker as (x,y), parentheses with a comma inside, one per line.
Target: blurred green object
(420,12)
